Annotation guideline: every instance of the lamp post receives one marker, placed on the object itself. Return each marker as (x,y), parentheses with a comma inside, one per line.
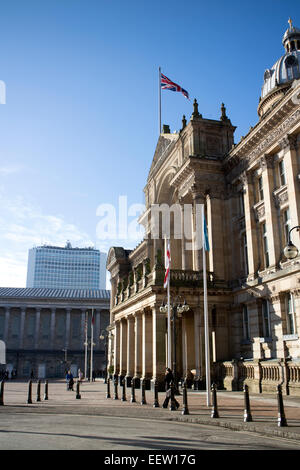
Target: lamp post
(177,310)
(104,336)
(291,251)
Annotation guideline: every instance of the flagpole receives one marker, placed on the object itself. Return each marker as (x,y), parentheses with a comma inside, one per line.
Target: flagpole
(207,353)
(169,359)
(85,346)
(92,340)
(159,94)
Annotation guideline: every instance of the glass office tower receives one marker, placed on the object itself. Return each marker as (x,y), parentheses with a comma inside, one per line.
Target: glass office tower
(66,268)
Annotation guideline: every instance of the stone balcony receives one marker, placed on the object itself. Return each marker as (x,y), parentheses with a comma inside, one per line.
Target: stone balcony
(132,285)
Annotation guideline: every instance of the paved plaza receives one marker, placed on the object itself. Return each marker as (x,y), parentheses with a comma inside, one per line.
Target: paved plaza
(95,422)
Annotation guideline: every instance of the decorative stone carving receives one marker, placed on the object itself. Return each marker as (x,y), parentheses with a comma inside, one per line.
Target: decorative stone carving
(280,197)
(259,211)
(288,142)
(273,136)
(266,161)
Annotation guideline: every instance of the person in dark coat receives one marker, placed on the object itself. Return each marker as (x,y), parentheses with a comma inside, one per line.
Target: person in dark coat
(70,380)
(169,378)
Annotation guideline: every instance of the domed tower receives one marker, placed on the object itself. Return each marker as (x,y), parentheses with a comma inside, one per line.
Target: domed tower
(279,78)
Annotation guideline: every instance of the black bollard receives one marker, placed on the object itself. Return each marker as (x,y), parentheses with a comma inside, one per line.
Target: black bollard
(29,399)
(156,403)
(143,402)
(214,411)
(281,416)
(172,403)
(46,390)
(124,390)
(2,393)
(108,388)
(185,410)
(78,396)
(247,411)
(116,389)
(38,391)
(133,400)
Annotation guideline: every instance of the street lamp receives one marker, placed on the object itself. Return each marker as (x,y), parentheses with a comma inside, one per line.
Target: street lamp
(291,251)
(177,310)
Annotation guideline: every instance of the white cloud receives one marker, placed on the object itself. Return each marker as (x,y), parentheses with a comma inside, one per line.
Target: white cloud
(24,225)
(10,169)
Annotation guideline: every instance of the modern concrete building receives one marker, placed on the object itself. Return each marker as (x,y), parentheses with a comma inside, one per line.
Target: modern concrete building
(44,330)
(66,268)
(250,191)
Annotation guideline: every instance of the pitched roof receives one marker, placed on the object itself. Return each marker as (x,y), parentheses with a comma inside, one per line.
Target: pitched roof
(48,293)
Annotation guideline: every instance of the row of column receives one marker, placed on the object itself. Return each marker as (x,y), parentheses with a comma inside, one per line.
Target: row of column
(289,146)
(52,325)
(140,345)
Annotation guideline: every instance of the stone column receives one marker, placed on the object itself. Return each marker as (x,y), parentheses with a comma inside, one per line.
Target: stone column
(277,310)
(123,347)
(52,327)
(130,349)
(147,366)
(117,348)
(97,329)
(250,224)
(68,325)
(22,326)
(289,146)
(215,220)
(138,345)
(266,163)
(37,327)
(183,252)
(158,346)
(6,324)
(196,231)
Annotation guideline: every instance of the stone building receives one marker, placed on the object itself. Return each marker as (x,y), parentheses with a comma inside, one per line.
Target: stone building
(44,329)
(250,191)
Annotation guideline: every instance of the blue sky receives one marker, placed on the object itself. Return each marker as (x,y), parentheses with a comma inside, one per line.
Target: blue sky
(80,123)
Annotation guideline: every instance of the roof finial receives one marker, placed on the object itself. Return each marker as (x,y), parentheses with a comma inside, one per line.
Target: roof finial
(195,105)
(290,23)
(223,113)
(183,122)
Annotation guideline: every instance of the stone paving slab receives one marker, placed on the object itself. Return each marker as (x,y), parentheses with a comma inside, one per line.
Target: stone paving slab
(94,402)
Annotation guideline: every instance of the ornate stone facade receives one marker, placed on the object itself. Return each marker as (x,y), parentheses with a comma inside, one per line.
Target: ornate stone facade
(250,191)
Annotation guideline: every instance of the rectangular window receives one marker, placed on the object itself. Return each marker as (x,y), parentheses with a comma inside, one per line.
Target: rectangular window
(282,177)
(286,224)
(290,314)
(260,189)
(246,326)
(266,319)
(265,245)
(245,254)
(241,204)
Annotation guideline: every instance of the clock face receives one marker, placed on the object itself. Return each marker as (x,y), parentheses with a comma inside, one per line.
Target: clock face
(290,61)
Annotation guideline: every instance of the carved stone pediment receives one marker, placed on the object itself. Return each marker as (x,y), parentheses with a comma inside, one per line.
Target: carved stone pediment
(164,142)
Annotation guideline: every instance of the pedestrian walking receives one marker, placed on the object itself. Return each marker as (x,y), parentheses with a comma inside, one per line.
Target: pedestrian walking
(169,378)
(70,380)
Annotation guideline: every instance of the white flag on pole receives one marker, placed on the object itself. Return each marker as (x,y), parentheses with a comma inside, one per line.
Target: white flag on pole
(167,265)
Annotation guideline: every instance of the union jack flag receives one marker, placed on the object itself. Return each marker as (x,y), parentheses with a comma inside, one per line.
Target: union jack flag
(167,84)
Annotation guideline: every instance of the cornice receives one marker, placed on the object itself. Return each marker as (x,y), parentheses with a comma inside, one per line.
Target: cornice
(267,132)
